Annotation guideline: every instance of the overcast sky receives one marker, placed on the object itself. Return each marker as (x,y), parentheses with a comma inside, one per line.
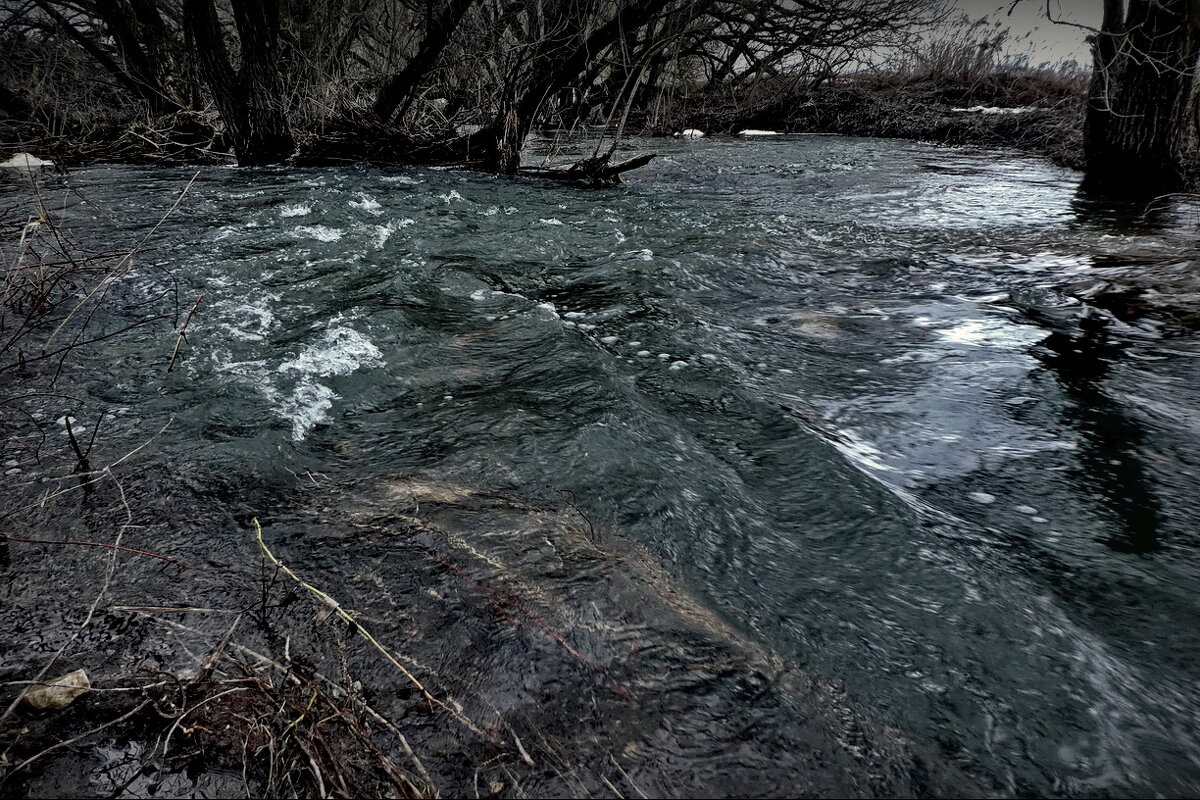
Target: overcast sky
(1046,41)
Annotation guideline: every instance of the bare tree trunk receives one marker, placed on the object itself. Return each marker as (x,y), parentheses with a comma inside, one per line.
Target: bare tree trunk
(400,89)
(250,100)
(131,78)
(139,35)
(1138,136)
(516,117)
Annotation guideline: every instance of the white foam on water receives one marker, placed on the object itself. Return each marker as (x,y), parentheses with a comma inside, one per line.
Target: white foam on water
(251,321)
(299,210)
(367,203)
(340,351)
(384,232)
(402,179)
(321,233)
(551,221)
(983,498)
(308,406)
(450,196)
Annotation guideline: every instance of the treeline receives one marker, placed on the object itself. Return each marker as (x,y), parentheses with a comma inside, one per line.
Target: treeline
(415,80)
(465,81)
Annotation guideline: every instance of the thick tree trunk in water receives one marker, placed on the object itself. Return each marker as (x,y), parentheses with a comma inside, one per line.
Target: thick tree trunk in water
(1138,135)
(250,100)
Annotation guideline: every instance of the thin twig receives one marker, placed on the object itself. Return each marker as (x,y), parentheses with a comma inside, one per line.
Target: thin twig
(183,332)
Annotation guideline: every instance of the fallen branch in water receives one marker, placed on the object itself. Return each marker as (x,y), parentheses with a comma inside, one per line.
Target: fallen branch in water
(592,171)
(183,332)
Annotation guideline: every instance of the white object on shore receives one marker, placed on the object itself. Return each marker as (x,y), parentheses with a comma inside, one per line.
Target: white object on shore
(989,110)
(60,692)
(25,161)
(691,133)
(756,132)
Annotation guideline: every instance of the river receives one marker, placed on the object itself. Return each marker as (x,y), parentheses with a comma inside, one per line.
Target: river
(814,377)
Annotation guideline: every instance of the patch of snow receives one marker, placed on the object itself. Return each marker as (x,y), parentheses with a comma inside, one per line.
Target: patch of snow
(25,161)
(994,110)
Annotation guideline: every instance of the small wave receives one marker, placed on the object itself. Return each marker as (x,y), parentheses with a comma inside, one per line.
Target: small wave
(384,232)
(367,203)
(299,210)
(321,233)
(250,322)
(340,351)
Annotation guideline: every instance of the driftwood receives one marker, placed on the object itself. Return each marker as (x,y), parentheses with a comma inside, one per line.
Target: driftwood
(591,171)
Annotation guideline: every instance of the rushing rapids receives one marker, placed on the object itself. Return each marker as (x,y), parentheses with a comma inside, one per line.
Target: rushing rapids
(809,439)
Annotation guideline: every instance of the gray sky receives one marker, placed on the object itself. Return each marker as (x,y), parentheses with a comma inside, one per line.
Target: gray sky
(1034,33)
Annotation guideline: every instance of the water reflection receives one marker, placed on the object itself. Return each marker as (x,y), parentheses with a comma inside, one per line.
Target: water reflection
(1110,439)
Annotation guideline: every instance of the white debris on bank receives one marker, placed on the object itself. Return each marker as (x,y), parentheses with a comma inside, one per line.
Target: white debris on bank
(756,132)
(988,110)
(691,133)
(60,692)
(26,161)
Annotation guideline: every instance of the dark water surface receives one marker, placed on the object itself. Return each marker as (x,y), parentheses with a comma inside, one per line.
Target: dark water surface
(808,374)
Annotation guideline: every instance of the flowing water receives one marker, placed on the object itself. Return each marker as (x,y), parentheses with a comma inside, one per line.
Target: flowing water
(810,375)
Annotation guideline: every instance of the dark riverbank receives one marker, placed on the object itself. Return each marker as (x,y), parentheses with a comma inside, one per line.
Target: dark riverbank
(1035,113)
(569,664)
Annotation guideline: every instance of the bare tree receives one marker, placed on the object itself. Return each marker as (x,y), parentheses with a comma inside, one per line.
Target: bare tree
(1138,133)
(250,97)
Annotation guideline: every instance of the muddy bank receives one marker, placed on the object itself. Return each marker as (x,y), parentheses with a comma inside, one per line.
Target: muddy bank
(567,660)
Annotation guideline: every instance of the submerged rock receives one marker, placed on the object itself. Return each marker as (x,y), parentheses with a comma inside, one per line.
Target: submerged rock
(580,645)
